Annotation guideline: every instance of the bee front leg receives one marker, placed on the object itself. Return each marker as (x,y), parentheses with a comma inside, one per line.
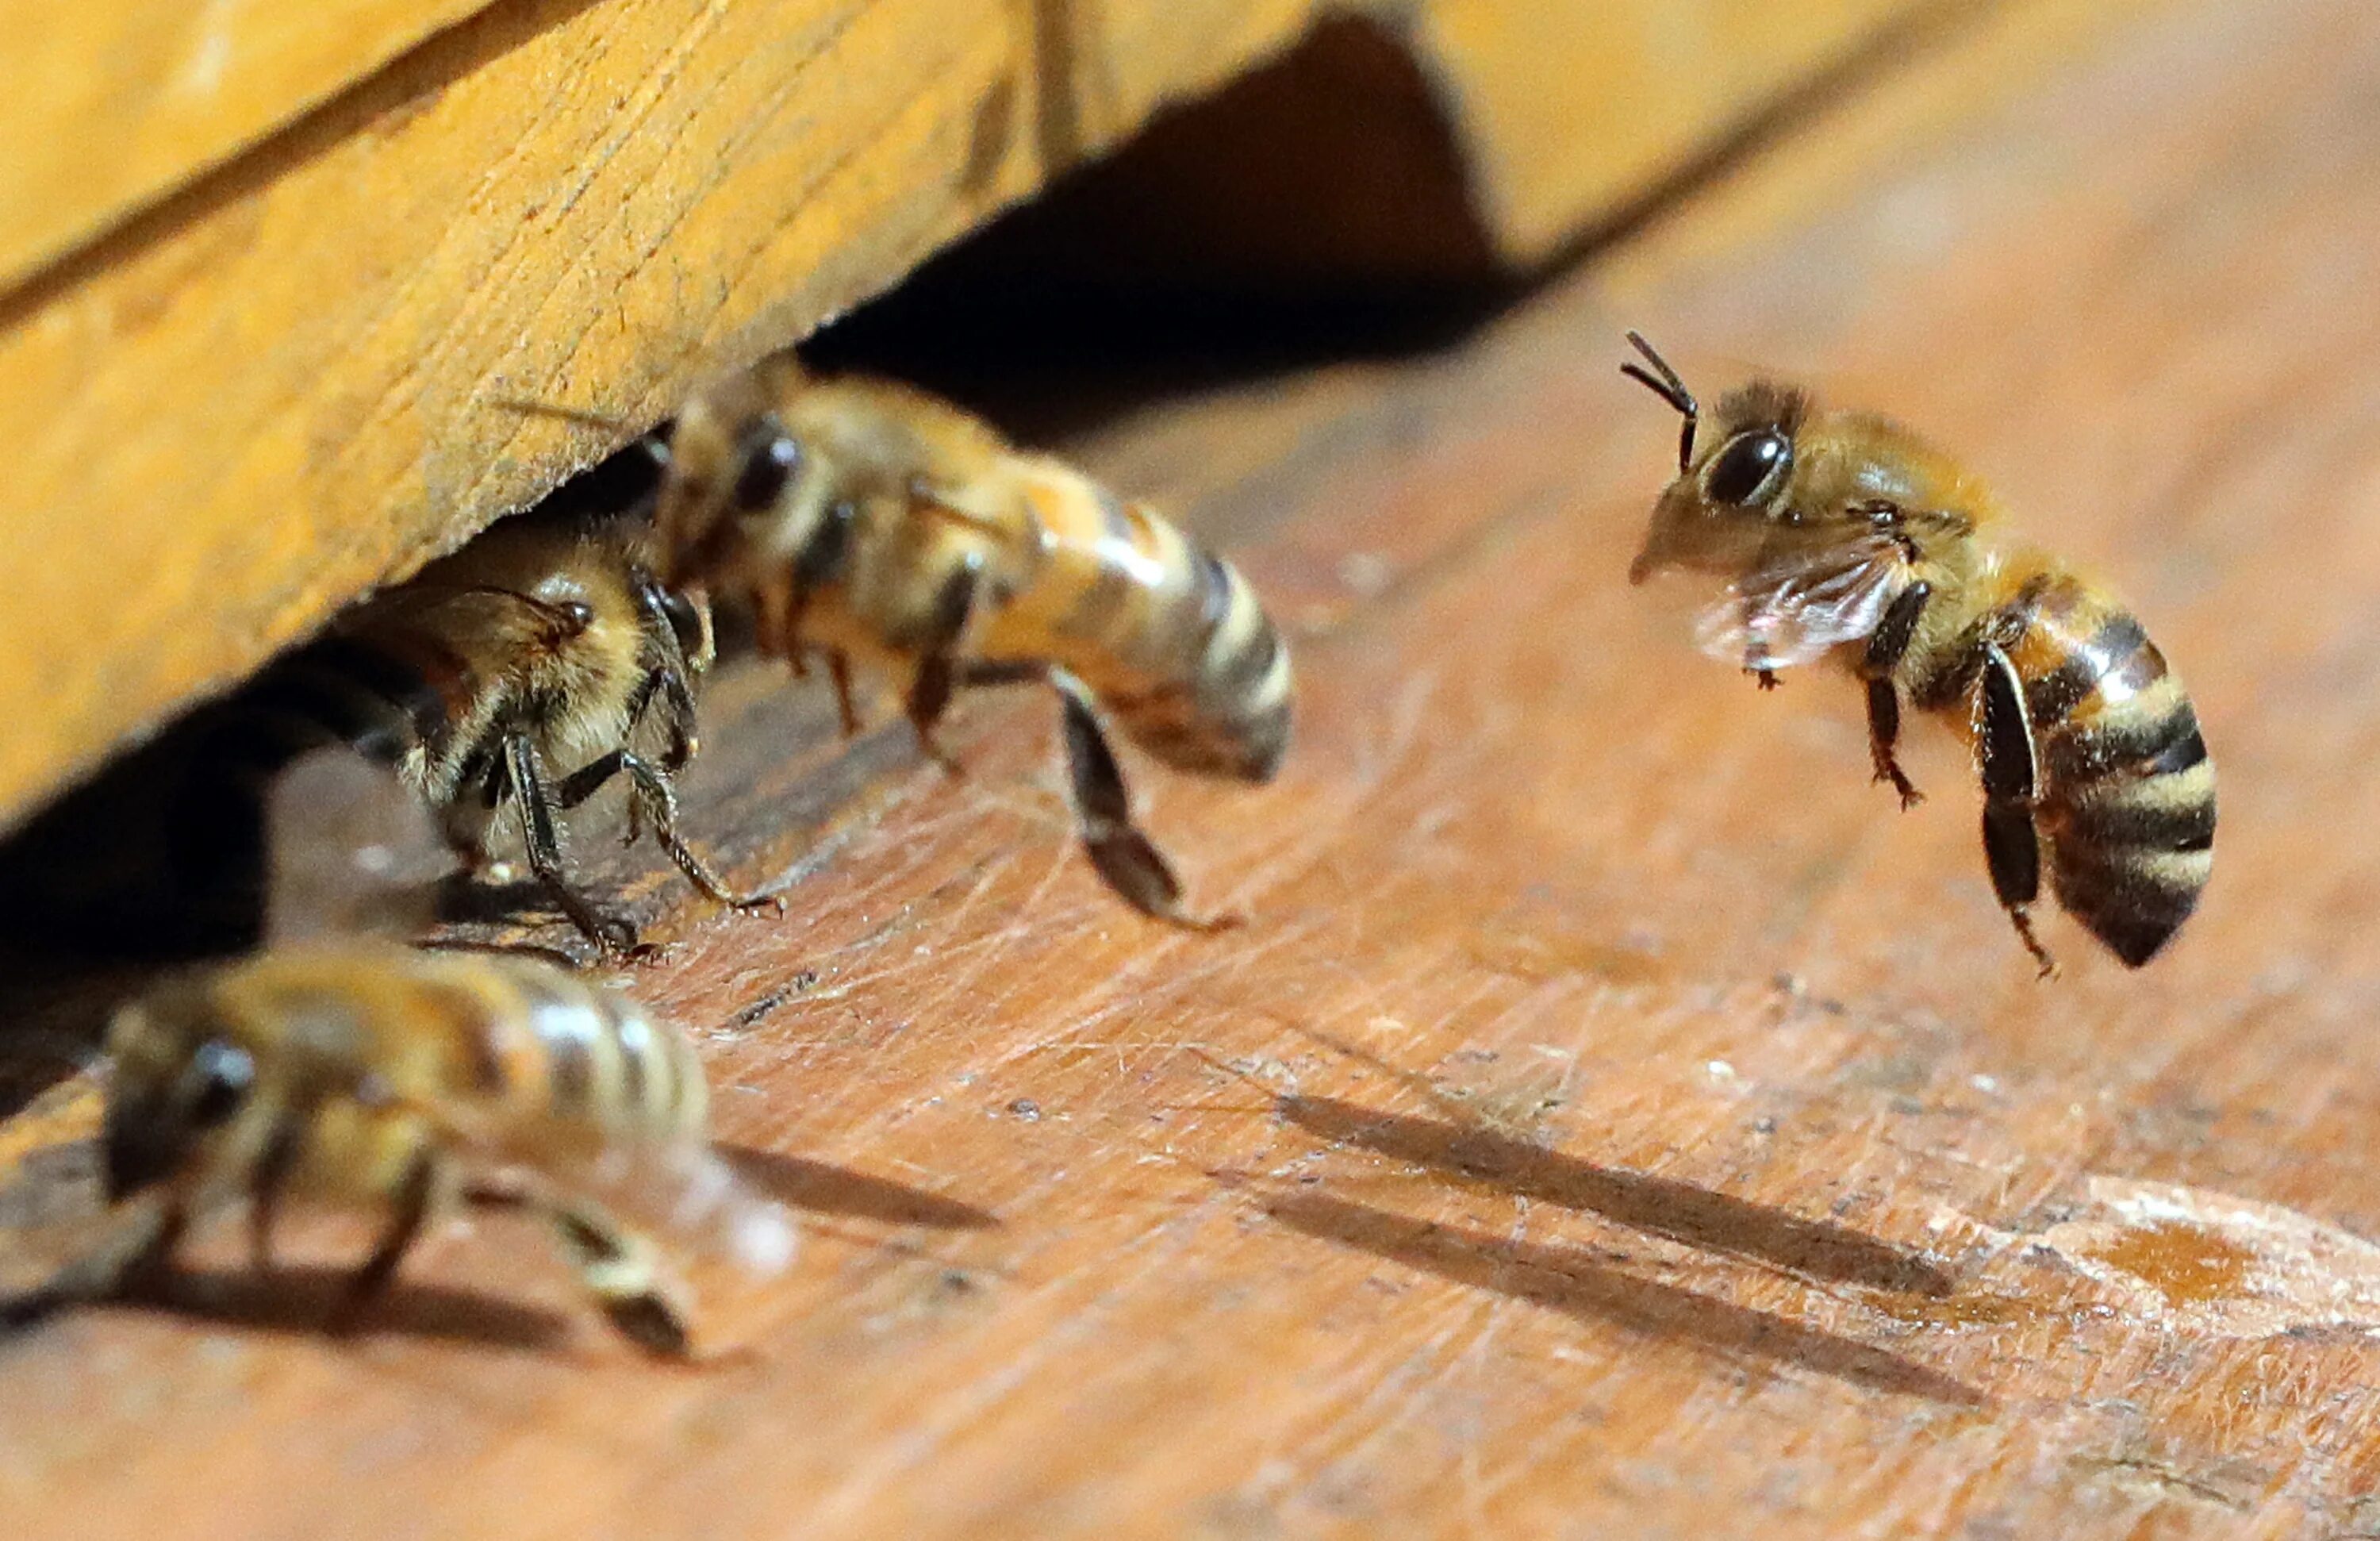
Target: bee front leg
(543,841)
(2011,843)
(408,1211)
(147,1263)
(658,800)
(1128,859)
(1886,646)
(274,1165)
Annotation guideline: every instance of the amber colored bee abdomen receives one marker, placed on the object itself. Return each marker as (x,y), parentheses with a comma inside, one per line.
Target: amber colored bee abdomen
(552,1049)
(1170,637)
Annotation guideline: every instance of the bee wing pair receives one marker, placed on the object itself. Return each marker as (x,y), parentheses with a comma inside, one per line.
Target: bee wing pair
(1795,605)
(353,853)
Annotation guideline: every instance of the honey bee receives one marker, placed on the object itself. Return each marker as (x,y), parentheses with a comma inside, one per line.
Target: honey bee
(523,669)
(869,523)
(1844,536)
(362,1074)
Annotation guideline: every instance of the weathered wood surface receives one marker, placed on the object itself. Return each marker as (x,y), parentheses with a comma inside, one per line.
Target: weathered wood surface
(262,390)
(1616,1119)
(111,104)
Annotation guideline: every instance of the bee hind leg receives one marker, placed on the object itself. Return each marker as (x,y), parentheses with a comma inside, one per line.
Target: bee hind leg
(619,1269)
(1128,859)
(2011,843)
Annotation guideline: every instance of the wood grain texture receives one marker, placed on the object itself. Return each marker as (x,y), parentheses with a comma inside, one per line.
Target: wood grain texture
(1618,1120)
(111,106)
(290,379)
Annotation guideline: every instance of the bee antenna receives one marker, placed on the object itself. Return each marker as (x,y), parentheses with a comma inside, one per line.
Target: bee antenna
(1663,382)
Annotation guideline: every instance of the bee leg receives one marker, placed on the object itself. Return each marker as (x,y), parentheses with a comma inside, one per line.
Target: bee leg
(408,1211)
(1764,678)
(618,1269)
(592,778)
(838,668)
(2012,845)
(1886,646)
(658,800)
(543,842)
(274,1165)
(937,661)
(1128,859)
(148,1261)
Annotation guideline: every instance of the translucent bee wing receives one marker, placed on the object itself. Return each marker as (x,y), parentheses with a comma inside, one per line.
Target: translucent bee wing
(353,851)
(679,1190)
(686,1192)
(1792,611)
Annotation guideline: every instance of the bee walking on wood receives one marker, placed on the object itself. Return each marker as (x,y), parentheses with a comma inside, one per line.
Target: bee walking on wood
(869,524)
(1844,536)
(361,1073)
(530,668)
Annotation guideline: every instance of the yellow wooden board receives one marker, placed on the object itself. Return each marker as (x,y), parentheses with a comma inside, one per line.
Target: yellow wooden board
(110,105)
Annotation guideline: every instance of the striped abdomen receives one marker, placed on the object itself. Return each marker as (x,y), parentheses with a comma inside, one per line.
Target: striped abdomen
(2125,792)
(1167,636)
(550,1055)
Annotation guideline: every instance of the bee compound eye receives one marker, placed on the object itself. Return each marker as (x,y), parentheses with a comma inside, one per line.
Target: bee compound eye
(770,457)
(1747,466)
(685,622)
(220,1077)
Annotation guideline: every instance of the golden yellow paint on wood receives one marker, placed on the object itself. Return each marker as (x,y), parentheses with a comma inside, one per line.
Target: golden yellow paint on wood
(1564,108)
(288,381)
(109,105)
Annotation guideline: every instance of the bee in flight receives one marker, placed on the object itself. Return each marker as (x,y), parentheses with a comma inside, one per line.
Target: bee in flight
(531,668)
(1844,536)
(357,1073)
(867,523)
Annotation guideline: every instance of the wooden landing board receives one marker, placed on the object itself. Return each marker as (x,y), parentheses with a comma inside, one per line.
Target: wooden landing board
(1616,1119)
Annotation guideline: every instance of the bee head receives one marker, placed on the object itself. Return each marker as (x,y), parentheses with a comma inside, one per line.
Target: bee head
(1735,487)
(732,461)
(686,613)
(176,1082)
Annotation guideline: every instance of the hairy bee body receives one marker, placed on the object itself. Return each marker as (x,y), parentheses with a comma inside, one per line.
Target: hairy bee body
(364,1076)
(1847,538)
(523,670)
(871,524)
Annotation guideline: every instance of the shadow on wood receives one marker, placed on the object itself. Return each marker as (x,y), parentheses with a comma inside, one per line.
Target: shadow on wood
(1571,1280)
(304,1298)
(1818,1249)
(820,1188)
